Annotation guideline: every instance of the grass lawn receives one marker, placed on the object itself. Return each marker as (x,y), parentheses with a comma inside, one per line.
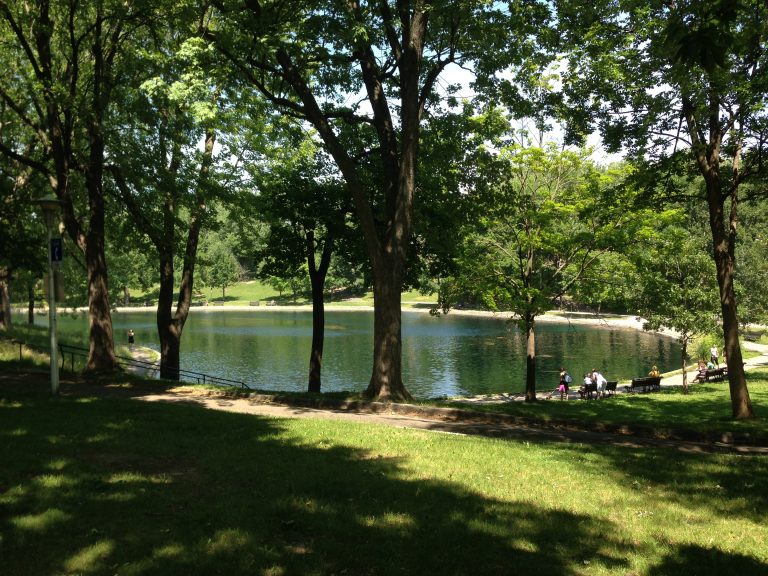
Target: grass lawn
(705,409)
(113,486)
(243,293)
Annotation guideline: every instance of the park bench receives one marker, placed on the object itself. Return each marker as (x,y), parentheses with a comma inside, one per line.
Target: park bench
(610,387)
(715,375)
(645,383)
(588,390)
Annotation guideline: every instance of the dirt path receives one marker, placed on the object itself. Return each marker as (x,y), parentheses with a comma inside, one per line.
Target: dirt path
(402,416)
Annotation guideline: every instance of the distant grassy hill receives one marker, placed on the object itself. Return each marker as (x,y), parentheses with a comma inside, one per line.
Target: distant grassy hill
(243,293)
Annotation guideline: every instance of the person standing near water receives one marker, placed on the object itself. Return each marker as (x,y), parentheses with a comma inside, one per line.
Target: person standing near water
(714,356)
(131,338)
(565,380)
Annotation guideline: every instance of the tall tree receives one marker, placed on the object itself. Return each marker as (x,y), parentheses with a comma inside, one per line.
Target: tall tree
(549,215)
(314,60)
(163,178)
(64,61)
(688,79)
(304,201)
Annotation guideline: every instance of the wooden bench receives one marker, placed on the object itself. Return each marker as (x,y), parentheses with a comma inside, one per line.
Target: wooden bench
(646,384)
(587,390)
(610,387)
(715,375)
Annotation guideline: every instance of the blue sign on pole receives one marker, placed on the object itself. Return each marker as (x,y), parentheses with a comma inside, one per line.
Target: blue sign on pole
(57,250)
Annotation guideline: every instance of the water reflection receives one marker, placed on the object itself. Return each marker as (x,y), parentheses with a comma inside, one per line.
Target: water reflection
(447,355)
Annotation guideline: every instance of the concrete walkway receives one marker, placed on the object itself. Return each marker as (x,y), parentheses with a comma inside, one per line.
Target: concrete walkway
(149,359)
(762,360)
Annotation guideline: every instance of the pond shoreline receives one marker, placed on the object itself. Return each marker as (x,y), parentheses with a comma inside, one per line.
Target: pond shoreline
(612,321)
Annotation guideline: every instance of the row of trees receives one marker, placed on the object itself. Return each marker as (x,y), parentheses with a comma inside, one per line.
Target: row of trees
(165,111)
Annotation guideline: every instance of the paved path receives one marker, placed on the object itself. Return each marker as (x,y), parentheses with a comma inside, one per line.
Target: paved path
(148,357)
(509,430)
(762,360)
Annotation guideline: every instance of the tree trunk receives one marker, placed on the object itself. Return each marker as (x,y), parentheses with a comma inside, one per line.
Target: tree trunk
(101,354)
(386,382)
(317,276)
(170,326)
(5,302)
(683,358)
(398,152)
(30,303)
(707,155)
(170,345)
(318,336)
(723,251)
(530,359)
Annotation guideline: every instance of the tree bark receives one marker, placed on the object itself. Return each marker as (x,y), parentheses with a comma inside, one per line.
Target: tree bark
(723,252)
(101,353)
(683,358)
(530,359)
(30,303)
(317,275)
(707,156)
(386,382)
(5,301)
(387,245)
(170,326)
(65,102)
(170,345)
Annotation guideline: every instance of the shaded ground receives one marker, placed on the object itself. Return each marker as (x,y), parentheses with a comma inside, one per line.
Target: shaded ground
(446,420)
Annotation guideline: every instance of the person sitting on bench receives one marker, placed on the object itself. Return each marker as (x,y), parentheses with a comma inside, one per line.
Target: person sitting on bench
(702,371)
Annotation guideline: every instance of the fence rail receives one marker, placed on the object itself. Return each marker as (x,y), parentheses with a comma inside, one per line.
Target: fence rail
(149,367)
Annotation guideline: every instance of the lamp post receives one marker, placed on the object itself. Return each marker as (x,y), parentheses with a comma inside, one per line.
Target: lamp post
(51,206)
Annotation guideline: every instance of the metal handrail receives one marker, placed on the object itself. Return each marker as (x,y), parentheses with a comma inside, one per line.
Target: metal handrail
(199,377)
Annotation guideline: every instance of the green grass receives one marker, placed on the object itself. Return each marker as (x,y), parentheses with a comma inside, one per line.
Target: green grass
(705,409)
(109,486)
(36,345)
(243,293)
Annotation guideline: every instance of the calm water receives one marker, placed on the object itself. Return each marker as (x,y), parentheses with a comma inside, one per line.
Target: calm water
(448,355)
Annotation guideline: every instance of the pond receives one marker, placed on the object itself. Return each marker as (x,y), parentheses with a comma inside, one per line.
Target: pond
(442,356)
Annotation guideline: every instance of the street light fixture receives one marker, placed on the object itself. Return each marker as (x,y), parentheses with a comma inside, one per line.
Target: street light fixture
(51,206)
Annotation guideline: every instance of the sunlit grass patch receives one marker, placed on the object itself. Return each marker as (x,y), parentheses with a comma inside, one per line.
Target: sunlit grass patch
(41,522)
(54,481)
(90,559)
(228,541)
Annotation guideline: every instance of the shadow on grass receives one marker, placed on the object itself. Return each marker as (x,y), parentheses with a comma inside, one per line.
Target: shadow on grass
(154,489)
(97,486)
(715,561)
